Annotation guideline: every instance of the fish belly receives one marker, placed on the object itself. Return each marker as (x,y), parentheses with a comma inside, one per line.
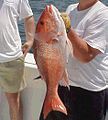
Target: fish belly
(51,64)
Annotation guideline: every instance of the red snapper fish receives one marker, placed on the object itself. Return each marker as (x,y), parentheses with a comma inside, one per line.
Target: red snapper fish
(50,54)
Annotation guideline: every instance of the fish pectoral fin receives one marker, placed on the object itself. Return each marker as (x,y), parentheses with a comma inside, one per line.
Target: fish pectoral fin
(56,38)
(55,104)
(64,81)
(52,41)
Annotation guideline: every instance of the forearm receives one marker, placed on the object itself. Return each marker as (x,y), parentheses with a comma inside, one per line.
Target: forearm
(29,29)
(81,50)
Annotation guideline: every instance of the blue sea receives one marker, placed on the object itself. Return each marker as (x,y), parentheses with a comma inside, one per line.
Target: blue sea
(38,6)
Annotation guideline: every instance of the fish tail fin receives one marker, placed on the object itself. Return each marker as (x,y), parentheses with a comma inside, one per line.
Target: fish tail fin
(53,103)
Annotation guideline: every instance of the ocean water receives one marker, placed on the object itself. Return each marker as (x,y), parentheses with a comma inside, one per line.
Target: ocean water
(38,6)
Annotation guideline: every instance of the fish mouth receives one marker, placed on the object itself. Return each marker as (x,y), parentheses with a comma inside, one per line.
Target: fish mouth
(52,12)
(49,9)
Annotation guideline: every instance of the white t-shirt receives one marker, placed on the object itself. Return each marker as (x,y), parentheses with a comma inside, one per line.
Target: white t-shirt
(92,25)
(10,42)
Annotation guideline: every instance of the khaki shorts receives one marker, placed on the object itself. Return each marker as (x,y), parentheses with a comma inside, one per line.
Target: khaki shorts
(12,76)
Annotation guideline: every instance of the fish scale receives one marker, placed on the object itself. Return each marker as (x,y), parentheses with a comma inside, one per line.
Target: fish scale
(49,51)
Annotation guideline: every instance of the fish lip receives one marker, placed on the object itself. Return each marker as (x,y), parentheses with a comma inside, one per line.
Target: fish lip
(49,8)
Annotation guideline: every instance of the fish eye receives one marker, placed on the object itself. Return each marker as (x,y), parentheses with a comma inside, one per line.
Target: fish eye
(41,22)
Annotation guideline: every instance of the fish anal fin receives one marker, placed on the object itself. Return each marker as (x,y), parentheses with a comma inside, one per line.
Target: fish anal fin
(65,80)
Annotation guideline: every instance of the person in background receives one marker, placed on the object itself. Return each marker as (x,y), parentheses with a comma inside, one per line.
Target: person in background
(88,67)
(12,53)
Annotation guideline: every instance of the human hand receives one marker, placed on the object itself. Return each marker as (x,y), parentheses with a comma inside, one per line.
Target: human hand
(26,47)
(66,20)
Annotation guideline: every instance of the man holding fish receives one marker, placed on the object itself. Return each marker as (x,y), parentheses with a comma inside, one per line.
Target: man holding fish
(88,67)
(85,97)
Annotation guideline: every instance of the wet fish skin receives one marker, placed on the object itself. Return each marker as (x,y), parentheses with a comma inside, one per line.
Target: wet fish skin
(49,52)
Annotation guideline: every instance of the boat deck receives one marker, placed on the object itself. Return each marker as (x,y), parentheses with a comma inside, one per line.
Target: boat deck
(32,95)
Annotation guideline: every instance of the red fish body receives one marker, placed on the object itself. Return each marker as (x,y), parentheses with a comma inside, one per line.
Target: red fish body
(50,55)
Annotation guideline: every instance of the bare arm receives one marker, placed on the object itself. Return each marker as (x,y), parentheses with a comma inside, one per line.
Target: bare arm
(29,31)
(81,50)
